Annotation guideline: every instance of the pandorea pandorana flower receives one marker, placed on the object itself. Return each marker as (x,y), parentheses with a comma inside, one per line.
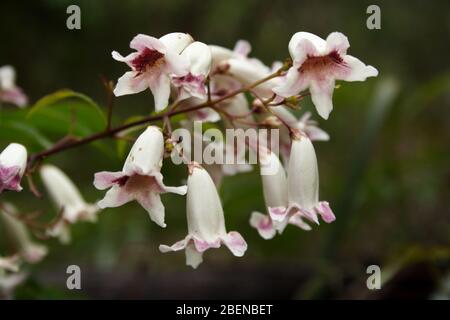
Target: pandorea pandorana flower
(317,64)
(13,162)
(192,84)
(274,184)
(9,91)
(28,250)
(153,65)
(206,222)
(140,178)
(68,201)
(303,187)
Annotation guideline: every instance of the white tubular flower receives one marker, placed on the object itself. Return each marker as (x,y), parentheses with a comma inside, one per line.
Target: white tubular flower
(242,68)
(140,178)
(68,201)
(248,71)
(220,54)
(153,64)
(274,184)
(9,91)
(28,250)
(9,282)
(13,163)
(206,223)
(303,187)
(317,64)
(198,55)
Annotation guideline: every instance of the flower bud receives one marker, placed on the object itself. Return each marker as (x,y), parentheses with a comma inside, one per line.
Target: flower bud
(13,163)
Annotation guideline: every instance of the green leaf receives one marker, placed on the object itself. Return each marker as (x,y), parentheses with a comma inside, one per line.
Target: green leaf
(65,112)
(14,127)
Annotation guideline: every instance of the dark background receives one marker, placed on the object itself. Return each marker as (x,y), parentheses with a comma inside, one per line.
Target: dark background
(385,171)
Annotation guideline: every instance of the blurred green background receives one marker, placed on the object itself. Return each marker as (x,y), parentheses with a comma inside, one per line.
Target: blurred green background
(385,171)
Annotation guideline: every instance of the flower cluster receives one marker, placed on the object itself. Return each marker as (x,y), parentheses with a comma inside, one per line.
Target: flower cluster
(207,83)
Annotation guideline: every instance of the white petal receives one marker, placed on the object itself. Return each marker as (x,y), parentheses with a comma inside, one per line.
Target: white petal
(193,257)
(151,202)
(338,42)
(177,246)
(312,44)
(291,84)
(7,77)
(130,83)
(316,134)
(115,197)
(176,42)
(321,96)
(219,55)
(160,87)
(142,41)
(242,48)
(236,243)
(199,56)
(358,71)
(263,224)
(297,220)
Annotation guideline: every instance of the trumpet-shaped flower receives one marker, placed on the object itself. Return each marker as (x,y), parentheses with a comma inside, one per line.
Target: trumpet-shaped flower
(140,178)
(68,200)
(206,223)
(13,162)
(153,64)
(27,249)
(303,187)
(274,184)
(192,84)
(9,91)
(317,64)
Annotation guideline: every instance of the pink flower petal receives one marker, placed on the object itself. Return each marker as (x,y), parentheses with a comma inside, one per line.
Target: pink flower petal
(277,213)
(14,96)
(10,178)
(323,208)
(236,243)
(263,224)
(203,245)
(105,179)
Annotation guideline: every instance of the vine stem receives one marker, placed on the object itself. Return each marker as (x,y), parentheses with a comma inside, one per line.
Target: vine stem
(111,132)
